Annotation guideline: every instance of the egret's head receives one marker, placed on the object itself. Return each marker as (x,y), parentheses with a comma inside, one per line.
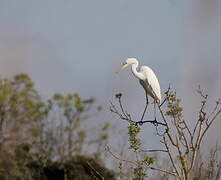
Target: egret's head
(131,61)
(126,63)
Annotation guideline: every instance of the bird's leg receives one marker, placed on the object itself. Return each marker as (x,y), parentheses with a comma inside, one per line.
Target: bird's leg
(141,121)
(145,108)
(155,110)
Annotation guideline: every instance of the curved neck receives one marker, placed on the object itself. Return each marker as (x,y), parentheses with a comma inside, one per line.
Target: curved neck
(137,74)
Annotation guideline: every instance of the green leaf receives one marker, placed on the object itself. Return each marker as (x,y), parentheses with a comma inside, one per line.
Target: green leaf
(58,97)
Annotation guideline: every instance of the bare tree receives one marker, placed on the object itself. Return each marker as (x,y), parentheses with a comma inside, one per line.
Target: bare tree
(181,142)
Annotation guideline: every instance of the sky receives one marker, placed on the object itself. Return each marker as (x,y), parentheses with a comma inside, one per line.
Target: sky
(76,45)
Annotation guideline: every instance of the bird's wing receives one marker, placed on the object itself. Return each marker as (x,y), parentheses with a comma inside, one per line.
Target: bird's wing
(147,87)
(152,81)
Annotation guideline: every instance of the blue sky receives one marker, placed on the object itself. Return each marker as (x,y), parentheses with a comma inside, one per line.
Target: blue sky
(76,45)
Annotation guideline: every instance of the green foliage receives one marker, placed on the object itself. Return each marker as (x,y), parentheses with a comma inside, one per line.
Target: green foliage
(79,105)
(89,101)
(106,126)
(99,108)
(104,136)
(72,102)
(58,97)
(133,131)
(149,160)
(139,173)
(174,108)
(34,132)
(21,106)
(74,109)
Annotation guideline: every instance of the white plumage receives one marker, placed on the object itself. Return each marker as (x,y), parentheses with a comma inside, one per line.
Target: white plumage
(152,87)
(147,79)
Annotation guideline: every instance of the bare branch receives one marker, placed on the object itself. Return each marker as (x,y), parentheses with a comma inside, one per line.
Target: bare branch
(154,122)
(136,164)
(121,116)
(167,95)
(107,148)
(218,102)
(167,127)
(170,156)
(97,174)
(210,123)
(154,150)
(176,135)
(162,170)
(204,96)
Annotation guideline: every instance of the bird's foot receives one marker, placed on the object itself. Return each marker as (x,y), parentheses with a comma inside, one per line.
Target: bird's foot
(155,122)
(139,123)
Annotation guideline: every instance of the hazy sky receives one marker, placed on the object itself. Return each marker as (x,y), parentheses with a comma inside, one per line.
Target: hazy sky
(79,44)
(76,45)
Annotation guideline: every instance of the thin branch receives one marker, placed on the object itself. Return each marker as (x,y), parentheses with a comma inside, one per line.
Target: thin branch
(194,131)
(134,163)
(167,127)
(182,160)
(167,95)
(184,138)
(124,116)
(118,96)
(107,148)
(170,156)
(154,150)
(218,102)
(154,122)
(97,174)
(198,135)
(161,170)
(201,119)
(188,130)
(204,96)
(115,111)
(204,132)
(158,133)
(181,134)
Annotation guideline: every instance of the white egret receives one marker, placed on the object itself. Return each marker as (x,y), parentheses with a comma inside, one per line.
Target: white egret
(147,79)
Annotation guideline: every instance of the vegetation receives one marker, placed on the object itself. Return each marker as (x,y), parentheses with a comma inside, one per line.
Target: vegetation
(181,141)
(47,139)
(51,139)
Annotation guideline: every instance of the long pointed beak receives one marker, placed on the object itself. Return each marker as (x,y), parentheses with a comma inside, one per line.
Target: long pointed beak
(121,68)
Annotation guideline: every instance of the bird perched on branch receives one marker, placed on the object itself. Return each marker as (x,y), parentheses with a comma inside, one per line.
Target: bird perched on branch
(147,79)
